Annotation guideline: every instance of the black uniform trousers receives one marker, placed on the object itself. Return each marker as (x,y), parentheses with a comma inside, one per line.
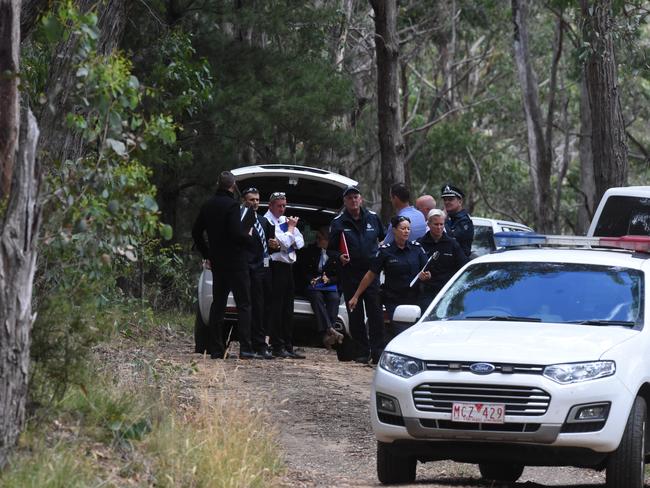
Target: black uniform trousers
(371,339)
(392,301)
(223,282)
(261,301)
(282,294)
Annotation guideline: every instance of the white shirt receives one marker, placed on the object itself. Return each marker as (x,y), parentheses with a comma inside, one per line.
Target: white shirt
(289,241)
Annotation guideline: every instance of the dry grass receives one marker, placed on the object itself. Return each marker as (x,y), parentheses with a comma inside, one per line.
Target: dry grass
(130,425)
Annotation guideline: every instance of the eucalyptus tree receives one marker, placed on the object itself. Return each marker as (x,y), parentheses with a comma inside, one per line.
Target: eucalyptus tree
(19,227)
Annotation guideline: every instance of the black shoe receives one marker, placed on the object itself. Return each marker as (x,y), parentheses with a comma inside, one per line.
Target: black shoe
(295,355)
(265,353)
(281,354)
(250,355)
(216,355)
(362,360)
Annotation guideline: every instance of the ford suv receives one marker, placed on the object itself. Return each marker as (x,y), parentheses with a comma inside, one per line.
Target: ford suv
(528,356)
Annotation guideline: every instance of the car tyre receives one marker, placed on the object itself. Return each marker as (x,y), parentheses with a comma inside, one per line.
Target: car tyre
(392,468)
(503,472)
(626,465)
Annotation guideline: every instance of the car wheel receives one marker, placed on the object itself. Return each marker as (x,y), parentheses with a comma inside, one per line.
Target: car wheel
(392,468)
(626,465)
(200,333)
(504,472)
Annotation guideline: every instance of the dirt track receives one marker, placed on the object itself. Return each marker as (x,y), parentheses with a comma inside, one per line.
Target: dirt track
(320,407)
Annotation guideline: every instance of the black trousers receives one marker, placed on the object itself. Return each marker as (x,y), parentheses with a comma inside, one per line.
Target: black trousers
(223,282)
(261,301)
(326,307)
(371,338)
(391,302)
(282,294)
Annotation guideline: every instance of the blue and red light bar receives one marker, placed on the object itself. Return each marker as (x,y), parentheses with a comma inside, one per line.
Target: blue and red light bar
(519,239)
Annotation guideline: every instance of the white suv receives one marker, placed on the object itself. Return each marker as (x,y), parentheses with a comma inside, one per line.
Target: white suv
(526,357)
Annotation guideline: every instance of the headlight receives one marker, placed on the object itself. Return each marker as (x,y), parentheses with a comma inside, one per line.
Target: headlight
(403,366)
(577,372)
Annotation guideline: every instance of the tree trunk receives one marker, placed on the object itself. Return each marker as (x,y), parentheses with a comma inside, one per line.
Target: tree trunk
(587,182)
(18,233)
(539,150)
(608,142)
(391,143)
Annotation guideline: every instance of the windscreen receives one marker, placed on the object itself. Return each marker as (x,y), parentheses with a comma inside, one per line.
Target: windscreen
(545,292)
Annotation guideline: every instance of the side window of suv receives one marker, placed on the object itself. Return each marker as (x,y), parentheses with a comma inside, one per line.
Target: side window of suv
(624,215)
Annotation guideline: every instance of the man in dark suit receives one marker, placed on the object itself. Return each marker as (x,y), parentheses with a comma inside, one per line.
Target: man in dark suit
(260,274)
(226,253)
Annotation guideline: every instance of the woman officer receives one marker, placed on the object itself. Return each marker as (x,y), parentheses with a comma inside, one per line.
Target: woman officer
(446,255)
(401,260)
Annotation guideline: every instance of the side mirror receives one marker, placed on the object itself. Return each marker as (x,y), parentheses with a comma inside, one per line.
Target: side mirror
(407,314)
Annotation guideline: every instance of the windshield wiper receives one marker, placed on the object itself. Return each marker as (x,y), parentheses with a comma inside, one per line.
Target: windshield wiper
(505,318)
(624,323)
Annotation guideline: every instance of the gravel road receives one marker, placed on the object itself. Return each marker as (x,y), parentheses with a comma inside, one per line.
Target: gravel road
(320,407)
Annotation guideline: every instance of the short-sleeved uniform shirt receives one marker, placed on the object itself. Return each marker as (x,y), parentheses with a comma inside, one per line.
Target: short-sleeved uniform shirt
(400,266)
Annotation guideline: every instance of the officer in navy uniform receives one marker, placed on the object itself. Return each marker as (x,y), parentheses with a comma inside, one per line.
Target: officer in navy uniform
(363,232)
(401,261)
(446,256)
(458,224)
(260,274)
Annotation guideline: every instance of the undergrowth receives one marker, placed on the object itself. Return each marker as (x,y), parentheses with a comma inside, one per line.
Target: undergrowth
(135,419)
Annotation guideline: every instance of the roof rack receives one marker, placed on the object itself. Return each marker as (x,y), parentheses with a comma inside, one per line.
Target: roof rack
(522,239)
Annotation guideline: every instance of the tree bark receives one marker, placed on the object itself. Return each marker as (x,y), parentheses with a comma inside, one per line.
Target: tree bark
(539,150)
(587,181)
(18,234)
(608,142)
(391,142)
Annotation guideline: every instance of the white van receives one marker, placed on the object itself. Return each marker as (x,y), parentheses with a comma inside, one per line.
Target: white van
(622,211)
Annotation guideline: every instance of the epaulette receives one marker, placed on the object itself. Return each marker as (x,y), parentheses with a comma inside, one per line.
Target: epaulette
(338,216)
(384,246)
(416,243)
(371,212)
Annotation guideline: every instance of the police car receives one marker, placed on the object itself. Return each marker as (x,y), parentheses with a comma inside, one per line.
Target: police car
(314,195)
(536,355)
(484,230)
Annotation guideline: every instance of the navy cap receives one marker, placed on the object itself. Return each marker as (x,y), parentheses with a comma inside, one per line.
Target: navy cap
(450,190)
(351,189)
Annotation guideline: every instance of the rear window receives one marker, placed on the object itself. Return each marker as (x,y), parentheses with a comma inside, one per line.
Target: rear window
(624,215)
(547,292)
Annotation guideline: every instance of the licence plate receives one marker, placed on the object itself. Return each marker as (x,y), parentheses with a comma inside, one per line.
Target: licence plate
(481,413)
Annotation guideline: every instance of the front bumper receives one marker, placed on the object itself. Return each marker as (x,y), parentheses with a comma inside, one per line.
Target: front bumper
(547,429)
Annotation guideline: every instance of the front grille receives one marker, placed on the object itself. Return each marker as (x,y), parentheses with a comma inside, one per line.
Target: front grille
(509,427)
(504,368)
(518,400)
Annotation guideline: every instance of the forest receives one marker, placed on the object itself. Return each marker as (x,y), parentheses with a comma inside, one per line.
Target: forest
(116,116)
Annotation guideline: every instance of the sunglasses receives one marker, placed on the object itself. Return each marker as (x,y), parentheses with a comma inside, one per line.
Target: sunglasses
(252,189)
(402,218)
(278,195)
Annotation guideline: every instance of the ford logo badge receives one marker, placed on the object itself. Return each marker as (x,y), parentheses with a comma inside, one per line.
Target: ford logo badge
(481,368)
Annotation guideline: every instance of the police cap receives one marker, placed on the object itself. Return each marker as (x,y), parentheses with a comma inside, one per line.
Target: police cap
(450,190)
(351,189)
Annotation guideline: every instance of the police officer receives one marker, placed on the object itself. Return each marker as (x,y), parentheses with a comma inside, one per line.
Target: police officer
(260,274)
(458,224)
(361,231)
(446,256)
(401,261)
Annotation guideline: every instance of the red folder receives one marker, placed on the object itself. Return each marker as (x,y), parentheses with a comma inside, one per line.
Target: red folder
(343,245)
